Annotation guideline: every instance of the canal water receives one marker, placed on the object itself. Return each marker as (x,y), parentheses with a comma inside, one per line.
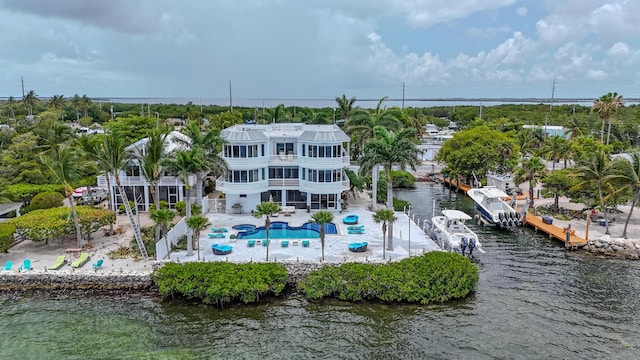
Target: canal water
(534,301)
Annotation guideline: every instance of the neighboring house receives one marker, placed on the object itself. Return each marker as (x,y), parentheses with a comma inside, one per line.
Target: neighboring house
(172,190)
(292,164)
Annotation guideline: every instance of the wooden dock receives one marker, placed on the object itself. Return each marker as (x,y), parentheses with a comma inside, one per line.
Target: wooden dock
(536,222)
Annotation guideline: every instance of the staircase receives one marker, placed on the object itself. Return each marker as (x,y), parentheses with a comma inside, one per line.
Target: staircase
(134,224)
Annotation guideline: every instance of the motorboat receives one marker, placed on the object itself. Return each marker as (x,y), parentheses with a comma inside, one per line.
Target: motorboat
(492,209)
(450,231)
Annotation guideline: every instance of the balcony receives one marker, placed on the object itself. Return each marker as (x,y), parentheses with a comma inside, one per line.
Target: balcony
(241,188)
(324,163)
(283,159)
(324,187)
(284,183)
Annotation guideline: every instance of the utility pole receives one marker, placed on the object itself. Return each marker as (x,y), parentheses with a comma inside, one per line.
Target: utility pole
(230,98)
(22,81)
(546,119)
(403,95)
(480,110)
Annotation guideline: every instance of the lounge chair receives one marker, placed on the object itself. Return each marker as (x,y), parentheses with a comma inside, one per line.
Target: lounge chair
(219,230)
(8,265)
(350,219)
(355,227)
(97,265)
(60,261)
(284,243)
(216,235)
(358,247)
(251,243)
(265,242)
(305,243)
(26,265)
(356,231)
(221,249)
(84,257)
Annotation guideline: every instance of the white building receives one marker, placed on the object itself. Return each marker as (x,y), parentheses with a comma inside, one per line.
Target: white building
(292,164)
(136,186)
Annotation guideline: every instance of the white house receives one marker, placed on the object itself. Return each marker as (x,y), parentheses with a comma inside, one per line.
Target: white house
(137,188)
(292,164)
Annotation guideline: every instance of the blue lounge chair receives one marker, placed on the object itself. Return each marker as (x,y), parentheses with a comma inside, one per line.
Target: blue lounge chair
(350,219)
(215,236)
(219,230)
(8,265)
(221,249)
(97,265)
(26,265)
(265,242)
(358,247)
(285,243)
(305,243)
(355,227)
(251,243)
(356,231)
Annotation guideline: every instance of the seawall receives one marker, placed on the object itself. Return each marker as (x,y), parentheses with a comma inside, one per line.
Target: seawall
(97,282)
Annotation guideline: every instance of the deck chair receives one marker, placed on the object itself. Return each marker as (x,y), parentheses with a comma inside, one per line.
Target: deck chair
(60,261)
(26,265)
(97,265)
(84,257)
(8,265)
(285,243)
(305,243)
(251,243)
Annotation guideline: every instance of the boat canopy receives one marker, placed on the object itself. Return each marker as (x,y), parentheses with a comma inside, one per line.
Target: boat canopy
(455,215)
(492,192)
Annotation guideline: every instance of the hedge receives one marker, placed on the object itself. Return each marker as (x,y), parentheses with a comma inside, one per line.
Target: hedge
(46,200)
(221,283)
(435,277)
(6,236)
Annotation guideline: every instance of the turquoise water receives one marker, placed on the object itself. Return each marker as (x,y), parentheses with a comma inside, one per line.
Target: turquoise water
(282,234)
(534,301)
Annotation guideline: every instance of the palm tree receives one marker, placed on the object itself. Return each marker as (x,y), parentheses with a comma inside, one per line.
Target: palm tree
(607,106)
(312,117)
(362,123)
(11,103)
(162,218)
(390,149)
(151,161)
(209,144)
(55,135)
(64,165)
(266,209)
(625,173)
(593,172)
(531,170)
(197,223)
(56,102)
(29,101)
(384,216)
(76,103)
(85,102)
(185,164)
(345,108)
(554,148)
(321,218)
(112,156)
(527,141)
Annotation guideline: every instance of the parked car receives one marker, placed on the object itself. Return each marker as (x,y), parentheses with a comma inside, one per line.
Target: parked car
(90,195)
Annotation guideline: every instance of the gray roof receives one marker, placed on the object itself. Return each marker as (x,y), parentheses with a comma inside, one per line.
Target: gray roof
(243,133)
(324,135)
(9,207)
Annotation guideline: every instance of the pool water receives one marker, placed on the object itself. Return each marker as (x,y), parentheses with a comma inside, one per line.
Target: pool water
(282,230)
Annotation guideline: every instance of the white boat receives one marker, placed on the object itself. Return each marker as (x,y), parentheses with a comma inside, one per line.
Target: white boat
(492,209)
(450,231)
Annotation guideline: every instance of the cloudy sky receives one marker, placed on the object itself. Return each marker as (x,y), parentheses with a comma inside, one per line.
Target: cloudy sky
(320,48)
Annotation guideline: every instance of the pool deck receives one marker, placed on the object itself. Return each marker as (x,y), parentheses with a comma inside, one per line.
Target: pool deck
(336,245)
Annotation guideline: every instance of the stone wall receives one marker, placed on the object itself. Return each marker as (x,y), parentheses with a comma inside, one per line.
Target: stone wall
(299,270)
(61,282)
(621,248)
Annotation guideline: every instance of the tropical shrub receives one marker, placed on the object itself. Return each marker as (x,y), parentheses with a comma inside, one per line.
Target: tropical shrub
(181,208)
(148,239)
(45,224)
(435,277)
(25,192)
(221,283)
(400,204)
(6,236)
(46,200)
(131,205)
(163,205)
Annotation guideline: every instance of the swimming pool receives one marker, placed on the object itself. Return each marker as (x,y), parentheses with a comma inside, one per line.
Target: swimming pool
(282,230)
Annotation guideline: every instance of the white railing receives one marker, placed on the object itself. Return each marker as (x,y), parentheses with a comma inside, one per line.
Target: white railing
(173,236)
(284,182)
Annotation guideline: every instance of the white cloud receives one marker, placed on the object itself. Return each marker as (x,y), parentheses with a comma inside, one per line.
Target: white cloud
(597,74)
(618,49)
(522,11)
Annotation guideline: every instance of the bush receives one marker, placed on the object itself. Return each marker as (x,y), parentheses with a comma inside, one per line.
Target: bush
(221,283)
(46,200)
(181,208)
(400,204)
(435,277)
(163,205)
(6,236)
(148,239)
(131,205)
